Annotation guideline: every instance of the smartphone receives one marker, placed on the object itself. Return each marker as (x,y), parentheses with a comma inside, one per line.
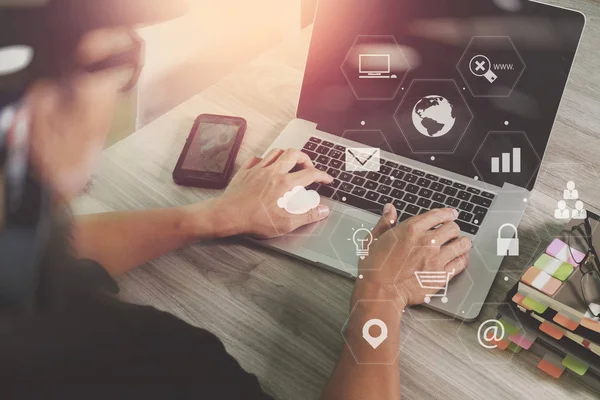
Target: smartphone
(210,150)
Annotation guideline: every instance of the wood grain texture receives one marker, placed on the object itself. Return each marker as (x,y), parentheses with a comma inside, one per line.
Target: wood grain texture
(282,318)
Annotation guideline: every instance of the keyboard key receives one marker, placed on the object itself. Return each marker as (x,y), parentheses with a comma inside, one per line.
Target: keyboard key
(424,203)
(412,188)
(360,173)
(480,212)
(411,208)
(480,201)
(423,182)
(432,177)
(322,159)
(340,148)
(335,154)
(410,198)
(345,176)
(473,190)
(313,186)
(310,154)
(488,195)
(399,204)
(410,178)
(452,202)
(322,150)
(385,199)
(465,216)
(405,168)
(325,191)
(438,197)
(466,227)
(436,187)
(383,189)
(466,206)
(336,164)
(397,174)
(357,180)
(326,143)
(374,176)
(333,172)
(459,186)
(359,191)
(425,193)
(356,201)
(384,169)
(418,173)
(346,187)
(371,185)
(450,191)
(446,181)
(386,180)
(310,146)
(314,139)
(391,164)
(372,195)
(437,205)
(321,167)
(397,194)
(399,184)
(463,195)
(335,183)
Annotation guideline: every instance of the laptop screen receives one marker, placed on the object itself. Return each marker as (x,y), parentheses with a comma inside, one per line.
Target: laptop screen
(470,86)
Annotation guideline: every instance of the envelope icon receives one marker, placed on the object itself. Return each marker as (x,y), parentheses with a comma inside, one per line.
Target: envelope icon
(362,159)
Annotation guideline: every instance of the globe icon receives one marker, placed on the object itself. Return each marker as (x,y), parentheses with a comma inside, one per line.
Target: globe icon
(433,116)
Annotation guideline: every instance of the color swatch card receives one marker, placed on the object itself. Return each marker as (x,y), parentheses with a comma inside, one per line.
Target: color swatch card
(555,267)
(541,280)
(560,250)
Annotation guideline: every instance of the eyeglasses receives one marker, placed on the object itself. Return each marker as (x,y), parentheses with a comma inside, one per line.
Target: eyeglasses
(580,237)
(130,61)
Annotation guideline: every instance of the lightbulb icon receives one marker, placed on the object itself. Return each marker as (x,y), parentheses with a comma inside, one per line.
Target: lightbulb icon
(362,239)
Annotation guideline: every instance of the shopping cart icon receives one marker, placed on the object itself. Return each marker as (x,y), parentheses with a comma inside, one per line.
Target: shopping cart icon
(434,280)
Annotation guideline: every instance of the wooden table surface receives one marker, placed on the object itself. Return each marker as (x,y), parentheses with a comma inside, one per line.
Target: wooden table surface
(280,317)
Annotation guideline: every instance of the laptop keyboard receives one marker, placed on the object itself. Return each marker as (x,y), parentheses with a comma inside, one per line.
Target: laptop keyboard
(412,191)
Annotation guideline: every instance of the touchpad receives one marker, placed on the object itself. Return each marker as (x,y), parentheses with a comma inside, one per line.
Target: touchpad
(344,238)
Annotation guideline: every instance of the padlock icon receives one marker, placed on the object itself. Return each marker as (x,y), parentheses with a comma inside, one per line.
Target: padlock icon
(507,246)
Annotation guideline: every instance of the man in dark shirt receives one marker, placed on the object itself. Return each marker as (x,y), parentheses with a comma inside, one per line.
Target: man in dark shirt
(59,319)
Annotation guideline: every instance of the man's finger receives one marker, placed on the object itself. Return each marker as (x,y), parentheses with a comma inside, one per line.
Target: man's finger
(457,248)
(314,215)
(457,265)
(290,158)
(310,175)
(251,162)
(430,219)
(387,220)
(446,232)
(272,156)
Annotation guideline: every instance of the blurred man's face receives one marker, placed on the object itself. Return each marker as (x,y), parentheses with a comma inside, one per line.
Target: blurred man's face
(70,119)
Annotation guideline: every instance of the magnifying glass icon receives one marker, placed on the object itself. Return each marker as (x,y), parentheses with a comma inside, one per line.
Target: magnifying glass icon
(480,65)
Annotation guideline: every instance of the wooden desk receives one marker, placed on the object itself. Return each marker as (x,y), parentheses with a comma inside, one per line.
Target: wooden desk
(282,318)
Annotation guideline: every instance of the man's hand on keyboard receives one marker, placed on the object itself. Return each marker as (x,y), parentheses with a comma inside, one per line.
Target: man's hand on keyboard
(251,197)
(410,246)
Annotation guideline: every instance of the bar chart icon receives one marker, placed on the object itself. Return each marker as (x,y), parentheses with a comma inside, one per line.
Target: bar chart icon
(507,166)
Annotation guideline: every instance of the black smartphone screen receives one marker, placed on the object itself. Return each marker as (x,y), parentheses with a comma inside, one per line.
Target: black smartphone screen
(210,146)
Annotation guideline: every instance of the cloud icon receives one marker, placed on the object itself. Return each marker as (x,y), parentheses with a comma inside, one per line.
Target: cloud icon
(299,200)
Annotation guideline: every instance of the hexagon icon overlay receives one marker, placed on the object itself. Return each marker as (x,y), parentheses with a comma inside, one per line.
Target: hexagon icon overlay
(506,156)
(433,116)
(375,67)
(491,66)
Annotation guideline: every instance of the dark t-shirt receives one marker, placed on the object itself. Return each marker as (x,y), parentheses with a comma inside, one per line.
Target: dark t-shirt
(81,334)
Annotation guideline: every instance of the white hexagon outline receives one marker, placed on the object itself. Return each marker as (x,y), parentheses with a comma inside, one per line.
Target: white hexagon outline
(536,170)
(516,80)
(400,82)
(444,317)
(546,171)
(402,341)
(461,135)
(529,262)
(466,347)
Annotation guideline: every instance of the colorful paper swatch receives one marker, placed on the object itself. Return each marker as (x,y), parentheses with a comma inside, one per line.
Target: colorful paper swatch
(536,306)
(565,321)
(540,280)
(552,365)
(575,364)
(555,267)
(560,250)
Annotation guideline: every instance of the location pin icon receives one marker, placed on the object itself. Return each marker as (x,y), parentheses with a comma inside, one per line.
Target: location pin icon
(375,341)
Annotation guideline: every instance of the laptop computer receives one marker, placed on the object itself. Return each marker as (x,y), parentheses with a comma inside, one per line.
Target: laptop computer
(462,120)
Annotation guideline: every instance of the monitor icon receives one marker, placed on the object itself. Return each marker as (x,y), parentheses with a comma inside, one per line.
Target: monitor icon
(374,66)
